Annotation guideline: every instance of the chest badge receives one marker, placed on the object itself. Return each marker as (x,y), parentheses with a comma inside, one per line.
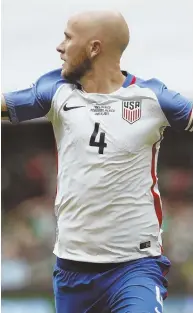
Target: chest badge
(131,111)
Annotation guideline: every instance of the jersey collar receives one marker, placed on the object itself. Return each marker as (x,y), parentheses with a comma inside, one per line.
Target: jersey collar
(130,79)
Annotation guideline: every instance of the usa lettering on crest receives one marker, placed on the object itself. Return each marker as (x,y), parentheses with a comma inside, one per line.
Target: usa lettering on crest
(131,111)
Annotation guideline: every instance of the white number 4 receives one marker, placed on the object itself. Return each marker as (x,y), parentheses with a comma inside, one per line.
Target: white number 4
(158,298)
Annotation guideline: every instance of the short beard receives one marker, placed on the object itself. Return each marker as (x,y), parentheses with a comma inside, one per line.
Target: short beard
(79,71)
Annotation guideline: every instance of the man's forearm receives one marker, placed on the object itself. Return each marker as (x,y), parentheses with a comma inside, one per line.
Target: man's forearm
(4,111)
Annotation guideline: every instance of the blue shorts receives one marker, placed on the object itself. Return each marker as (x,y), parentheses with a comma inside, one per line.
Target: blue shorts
(131,287)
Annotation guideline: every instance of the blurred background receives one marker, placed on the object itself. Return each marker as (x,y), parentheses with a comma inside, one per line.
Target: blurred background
(161,46)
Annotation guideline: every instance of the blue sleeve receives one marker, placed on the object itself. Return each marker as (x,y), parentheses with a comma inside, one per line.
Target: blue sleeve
(36,101)
(177,109)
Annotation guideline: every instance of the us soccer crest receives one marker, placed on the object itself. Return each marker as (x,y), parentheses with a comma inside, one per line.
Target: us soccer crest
(131,111)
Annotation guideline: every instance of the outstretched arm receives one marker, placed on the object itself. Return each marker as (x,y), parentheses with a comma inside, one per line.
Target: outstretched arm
(33,102)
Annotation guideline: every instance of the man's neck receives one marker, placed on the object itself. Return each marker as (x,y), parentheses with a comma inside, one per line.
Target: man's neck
(103,79)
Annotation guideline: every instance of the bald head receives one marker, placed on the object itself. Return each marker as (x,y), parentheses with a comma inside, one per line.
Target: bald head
(109,27)
(92,39)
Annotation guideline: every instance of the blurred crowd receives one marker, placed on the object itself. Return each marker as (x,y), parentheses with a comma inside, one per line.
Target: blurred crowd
(28,221)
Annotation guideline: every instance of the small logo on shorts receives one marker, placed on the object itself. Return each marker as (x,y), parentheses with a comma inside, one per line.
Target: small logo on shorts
(131,111)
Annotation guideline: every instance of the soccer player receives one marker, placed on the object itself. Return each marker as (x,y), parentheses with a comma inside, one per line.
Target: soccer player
(108,125)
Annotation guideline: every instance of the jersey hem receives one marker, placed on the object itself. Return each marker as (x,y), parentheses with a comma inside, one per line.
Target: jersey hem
(94,259)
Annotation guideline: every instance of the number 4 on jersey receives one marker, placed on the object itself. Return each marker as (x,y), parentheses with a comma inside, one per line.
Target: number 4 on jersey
(101,143)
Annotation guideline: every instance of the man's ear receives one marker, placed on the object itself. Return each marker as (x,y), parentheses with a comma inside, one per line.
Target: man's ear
(95,48)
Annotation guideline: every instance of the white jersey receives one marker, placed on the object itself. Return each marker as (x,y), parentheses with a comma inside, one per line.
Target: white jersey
(107,205)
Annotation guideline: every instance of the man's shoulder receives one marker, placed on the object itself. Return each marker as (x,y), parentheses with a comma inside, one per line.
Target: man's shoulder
(158,88)
(50,82)
(52,77)
(154,84)
(177,108)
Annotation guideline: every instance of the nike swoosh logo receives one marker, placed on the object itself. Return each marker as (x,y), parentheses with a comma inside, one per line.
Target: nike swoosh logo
(65,108)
